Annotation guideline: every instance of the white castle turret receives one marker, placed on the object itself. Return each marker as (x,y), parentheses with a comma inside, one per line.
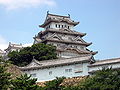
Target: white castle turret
(13,47)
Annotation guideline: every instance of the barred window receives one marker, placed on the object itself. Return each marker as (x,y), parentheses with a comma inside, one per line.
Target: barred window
(33,75)
(68,70)
(50,73)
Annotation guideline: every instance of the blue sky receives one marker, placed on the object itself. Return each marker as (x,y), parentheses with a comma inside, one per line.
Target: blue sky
(100,19)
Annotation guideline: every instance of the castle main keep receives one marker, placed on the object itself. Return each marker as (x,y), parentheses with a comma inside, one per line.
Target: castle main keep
(59,31)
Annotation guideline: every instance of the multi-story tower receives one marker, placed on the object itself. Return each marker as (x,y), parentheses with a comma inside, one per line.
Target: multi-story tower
(59,31)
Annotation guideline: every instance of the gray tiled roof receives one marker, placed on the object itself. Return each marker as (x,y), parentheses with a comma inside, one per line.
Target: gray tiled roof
(105,62)
(63,31)
(55,62)
(15,46)
(58,18)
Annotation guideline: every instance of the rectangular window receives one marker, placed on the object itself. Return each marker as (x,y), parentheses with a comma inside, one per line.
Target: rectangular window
(62,26)
(68,27)
(59,26)
(75,46)
(56,25)
(82,47)
(68,70)
(50,73)
(33,75)
(58,44)
(63,35)
(49,26)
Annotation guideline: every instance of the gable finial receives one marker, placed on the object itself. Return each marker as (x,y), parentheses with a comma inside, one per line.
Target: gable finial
(9,43)
(33,57)
(48,12)
(68,15)
(92,60)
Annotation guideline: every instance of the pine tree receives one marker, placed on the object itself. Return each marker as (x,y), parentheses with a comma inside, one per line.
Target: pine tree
(4,76)
(105,79)
(24,83)
(54,84)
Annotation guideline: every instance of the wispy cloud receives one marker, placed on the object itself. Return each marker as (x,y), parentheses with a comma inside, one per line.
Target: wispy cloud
(16,4)
(28,45)
(3,43)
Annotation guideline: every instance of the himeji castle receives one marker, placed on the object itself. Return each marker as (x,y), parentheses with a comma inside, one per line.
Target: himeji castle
(74,58)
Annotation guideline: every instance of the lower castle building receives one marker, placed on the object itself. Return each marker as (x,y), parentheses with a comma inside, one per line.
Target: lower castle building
(70,67)
(50,69)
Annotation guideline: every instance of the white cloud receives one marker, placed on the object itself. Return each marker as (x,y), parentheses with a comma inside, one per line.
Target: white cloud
(3,43)
(15,4)
(28,45)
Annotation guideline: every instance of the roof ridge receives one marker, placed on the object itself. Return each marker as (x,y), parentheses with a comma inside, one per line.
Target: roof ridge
(107,59)
(62,58)
(59,15)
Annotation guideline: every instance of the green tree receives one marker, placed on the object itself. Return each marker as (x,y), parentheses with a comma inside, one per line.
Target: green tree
(39,51)
(4,76)
(43,52)
(24,83)
(105,79)
(54,84)
(71,88)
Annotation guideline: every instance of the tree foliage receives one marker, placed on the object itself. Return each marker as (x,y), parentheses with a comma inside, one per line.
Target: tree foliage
(72,88)
(105,79)
(24,83)
(39,51)
(4,76)
(54,84)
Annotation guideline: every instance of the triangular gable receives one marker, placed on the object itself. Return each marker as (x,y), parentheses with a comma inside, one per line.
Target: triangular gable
(78,39)
(34,63)
(67,30)
(54,37)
